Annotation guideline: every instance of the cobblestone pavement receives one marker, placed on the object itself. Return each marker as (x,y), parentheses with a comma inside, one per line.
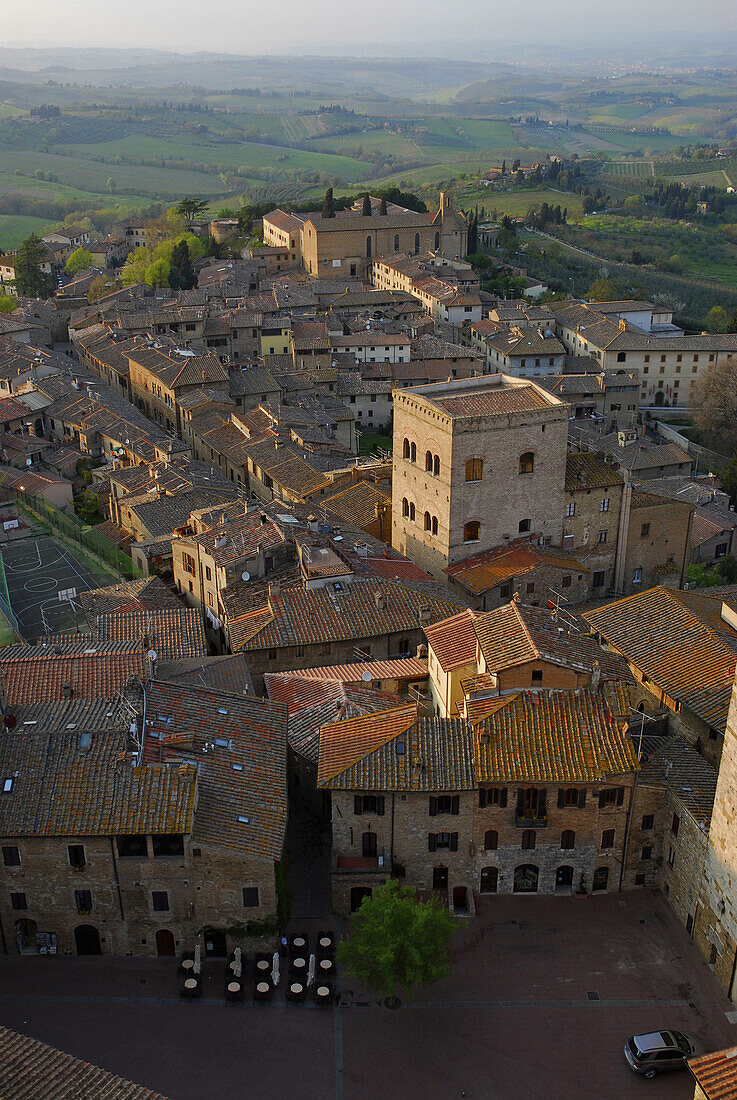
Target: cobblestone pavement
(542,994)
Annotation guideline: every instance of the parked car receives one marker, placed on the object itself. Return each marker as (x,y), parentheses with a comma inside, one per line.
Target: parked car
(660,1051)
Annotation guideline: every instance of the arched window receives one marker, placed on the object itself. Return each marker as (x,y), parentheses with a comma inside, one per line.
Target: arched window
(528,839)
(417,242)
(491,840)
(471,531)
(601,878)
(368,248)
(568,839)
(405,449)
(474,469)
(405,506)
(436,465)
(437,240)
(412,511)
(428,461)
(428,521)
(396,242)
(413,452)
(434,525)
(489,880)
(524,525)
(526,462)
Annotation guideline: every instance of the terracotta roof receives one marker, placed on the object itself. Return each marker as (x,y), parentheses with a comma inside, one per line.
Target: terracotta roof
(677,766)
(394,750)
(30,1069)
(589,470)
(453,641)
(239,744)
(149,592)
(357,504)
(679,641)
(403,668)
(558,736)
(171,632)
(62,789)
(716,1073)
(92,670)
(492,402)
(482,572)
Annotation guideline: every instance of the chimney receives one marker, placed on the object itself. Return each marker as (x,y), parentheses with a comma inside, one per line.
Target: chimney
(595,676)
(67,691)
(379,600)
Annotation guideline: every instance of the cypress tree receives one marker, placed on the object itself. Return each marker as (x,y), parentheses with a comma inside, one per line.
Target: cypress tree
(328,204)
(382,208)
(366,211)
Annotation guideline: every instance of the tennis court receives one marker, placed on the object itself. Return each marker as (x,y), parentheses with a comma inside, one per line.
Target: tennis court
(44,580)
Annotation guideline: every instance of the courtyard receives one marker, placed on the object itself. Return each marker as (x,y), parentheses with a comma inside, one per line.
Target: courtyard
(542,994)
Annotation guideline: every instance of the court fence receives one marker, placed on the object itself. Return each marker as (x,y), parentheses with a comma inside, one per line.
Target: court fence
(88,538)
(5,604)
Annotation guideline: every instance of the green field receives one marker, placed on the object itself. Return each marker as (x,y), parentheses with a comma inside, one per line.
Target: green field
(14,228)
(517,203)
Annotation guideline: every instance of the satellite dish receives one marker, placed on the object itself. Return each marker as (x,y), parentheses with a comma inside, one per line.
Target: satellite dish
(151,655)
(366,677)
(29,462)
(246,576)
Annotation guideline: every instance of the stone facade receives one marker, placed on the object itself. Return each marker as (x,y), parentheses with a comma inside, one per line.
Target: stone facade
(466,481)
(658,542)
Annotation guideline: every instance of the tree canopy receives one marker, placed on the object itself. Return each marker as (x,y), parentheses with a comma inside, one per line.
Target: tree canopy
(715,402)
(30,280)
(328,204)
(79,260)
(191,208)
(397,942)
(366,208)
(602,290)
(7,302)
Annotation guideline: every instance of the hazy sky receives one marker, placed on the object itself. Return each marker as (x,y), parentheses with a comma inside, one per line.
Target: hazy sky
(268,26)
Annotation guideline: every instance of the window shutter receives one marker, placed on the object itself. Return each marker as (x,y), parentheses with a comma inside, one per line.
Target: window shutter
(582,798)
(541,798)
(455,804)
(602,800)
(561,798)
(433,806)
(357,804)
(380,805)
(503,797)
(454,842)
(482,797)
(431,844)
(520,801)
(620,795)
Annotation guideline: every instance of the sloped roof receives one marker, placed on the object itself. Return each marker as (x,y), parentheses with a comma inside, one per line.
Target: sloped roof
(492,567)
(716,1073)
(92,670)
(453,641)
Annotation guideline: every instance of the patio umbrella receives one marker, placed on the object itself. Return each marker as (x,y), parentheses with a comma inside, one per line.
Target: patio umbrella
(311,971)
(275,969)
(237,969)
(197,958)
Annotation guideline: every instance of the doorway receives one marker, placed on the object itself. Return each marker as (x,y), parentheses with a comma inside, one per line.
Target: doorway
(87,940)
(358,893)
(440,878)
(25,936)
(489,880)
(460,899)
(369,845)
(165,942)
(525,879)
(564,880)
(216,945)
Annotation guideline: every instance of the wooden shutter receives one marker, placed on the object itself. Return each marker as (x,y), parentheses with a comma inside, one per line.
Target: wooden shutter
(433,805)
(454,842)
(431,842)
(620,795)
(357,804)
(561,797)
(455,804)
(520,801)
(541,799)
(503,797)
(380,805)
(482,797)
(582,798)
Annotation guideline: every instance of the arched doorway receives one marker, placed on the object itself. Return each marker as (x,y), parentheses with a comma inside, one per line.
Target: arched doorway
(526,878)
(564,880)
(87,939)
(358,893)
(659,398)
(165,942)
(489,880)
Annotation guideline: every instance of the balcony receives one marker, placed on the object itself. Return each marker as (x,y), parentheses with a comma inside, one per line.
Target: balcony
(531,820)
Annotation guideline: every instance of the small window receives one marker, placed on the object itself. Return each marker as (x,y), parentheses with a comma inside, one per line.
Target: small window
(428,462)
(413,452)
(621,356)
(599,578)
(647,853)
(428,521)
(491,840)
(568,839)
(604,504)
(524,525)
(474,469)
(83,901)
(671,857)
(607,838)
(537,676)
(648,821)
(11,855)
(526,462)
(571,508)
(169,844)
(76,856)
(434,525)
(18,901)
(250,897)
(644,530)
(405,449)
(602,537)
(528,839)
(637,576)
(132,847)
(566,581)
(471,531)
(160,901)
(505,591)
(530,588)
(675,824)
